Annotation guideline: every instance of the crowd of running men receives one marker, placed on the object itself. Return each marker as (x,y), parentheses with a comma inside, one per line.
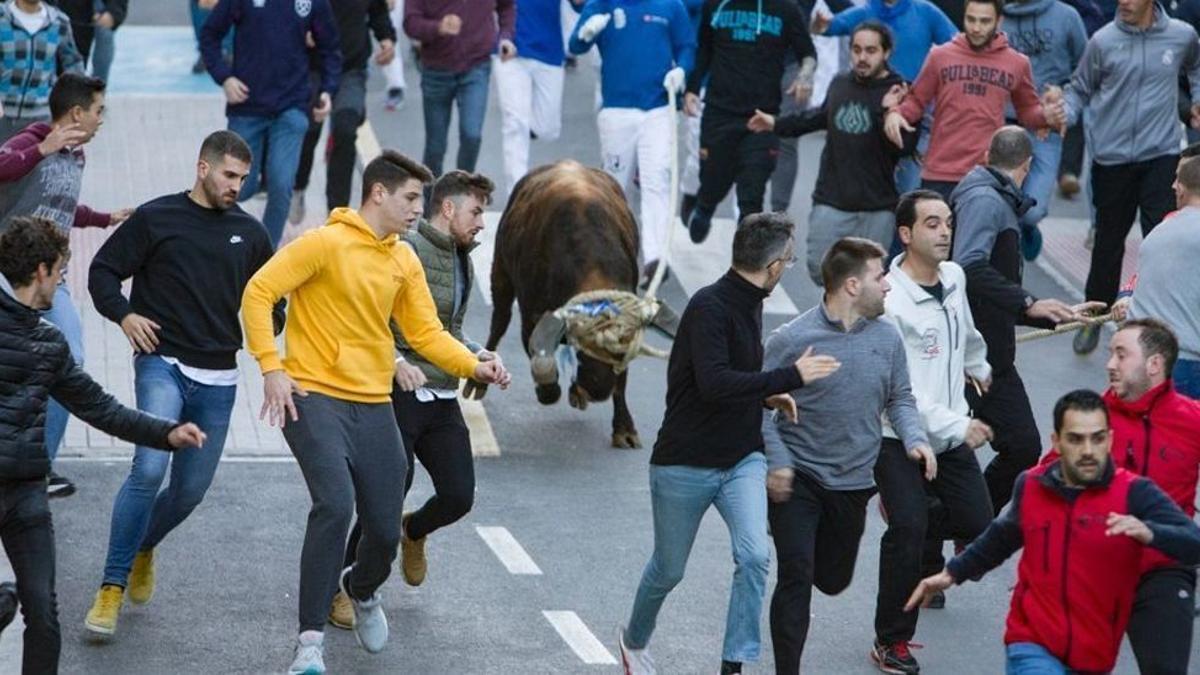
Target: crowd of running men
(942,149)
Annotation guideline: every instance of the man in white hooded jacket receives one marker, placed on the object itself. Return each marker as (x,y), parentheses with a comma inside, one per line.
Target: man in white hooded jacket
(928,305)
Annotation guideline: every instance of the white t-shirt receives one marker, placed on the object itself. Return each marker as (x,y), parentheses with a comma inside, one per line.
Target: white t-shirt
(212,378)
(34,22)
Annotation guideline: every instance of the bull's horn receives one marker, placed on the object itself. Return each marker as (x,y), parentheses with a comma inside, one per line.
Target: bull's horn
(666,321)
(543,342)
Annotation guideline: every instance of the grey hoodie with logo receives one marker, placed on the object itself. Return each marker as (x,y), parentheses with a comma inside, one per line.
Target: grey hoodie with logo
(1129,78)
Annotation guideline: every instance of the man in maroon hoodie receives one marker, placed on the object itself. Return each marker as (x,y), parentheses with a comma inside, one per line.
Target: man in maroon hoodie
(969,81)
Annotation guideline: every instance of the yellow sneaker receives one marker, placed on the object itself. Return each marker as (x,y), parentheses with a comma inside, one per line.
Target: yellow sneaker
(341,613)
(141,578)
(102,618)
(412,556)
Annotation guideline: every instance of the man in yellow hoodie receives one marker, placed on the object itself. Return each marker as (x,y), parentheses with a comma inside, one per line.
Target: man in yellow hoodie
(331,392)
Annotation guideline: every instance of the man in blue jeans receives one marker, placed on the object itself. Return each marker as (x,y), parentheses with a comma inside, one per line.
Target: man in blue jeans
(710,449)
(457,42)
(268,88)
(190,255)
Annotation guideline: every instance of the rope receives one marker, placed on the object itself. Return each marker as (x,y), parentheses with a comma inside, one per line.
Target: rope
(610,325)
(1064,328)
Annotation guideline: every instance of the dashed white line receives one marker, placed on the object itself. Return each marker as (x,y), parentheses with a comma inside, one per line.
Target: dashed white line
(579,638)
(508,550)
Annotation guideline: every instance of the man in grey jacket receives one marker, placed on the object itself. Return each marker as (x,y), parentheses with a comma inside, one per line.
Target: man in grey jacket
(1129,81)
(820,463)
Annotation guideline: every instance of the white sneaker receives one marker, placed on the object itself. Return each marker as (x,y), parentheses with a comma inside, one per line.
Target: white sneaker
(370,623)
(634,661)
(296,208)
(309,654)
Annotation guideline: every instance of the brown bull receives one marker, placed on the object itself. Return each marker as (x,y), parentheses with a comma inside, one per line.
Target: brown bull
(567,229)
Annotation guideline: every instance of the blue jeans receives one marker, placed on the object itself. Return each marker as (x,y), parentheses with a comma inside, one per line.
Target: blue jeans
(1187,377)
(680,496)
(285,134)
(439,91)
(104,49)
(1043,175)
(142,515)
(1028,658)
(65,316)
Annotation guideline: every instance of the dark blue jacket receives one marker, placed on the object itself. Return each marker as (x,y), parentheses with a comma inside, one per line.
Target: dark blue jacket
(269,52)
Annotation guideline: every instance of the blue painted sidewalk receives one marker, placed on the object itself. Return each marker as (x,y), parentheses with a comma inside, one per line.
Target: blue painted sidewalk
(157,60)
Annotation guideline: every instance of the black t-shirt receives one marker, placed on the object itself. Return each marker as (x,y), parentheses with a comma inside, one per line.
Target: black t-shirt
(935,290)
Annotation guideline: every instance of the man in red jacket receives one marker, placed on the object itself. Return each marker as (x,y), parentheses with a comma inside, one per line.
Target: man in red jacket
(1084,524)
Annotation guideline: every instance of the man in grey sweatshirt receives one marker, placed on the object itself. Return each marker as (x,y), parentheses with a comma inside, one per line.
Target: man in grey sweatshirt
(821,461)
(1129,80)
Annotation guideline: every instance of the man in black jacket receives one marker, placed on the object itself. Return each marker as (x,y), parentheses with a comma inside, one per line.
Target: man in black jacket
(741,52)
(93,23)
(710,447)
(35,364)
(855,194)
(988,205)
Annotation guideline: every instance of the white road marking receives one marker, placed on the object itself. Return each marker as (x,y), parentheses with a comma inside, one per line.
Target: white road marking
(367,143)
(483,441)
(579,638)
(698,265)
(508,550)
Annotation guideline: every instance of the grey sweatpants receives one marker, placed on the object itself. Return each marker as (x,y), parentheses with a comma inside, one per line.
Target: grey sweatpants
(351,456)
(826,225)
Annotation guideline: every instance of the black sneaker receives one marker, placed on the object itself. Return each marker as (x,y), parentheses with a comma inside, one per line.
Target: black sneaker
(198,68)
(1086,339)
(938,601)
(395,99)
(895,657)
(8,603)
(699,225)
(686,206)
(59,486)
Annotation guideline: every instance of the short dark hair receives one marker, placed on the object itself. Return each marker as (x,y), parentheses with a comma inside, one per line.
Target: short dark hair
(1010,148)
(1080,400)
(875,26)
(1188,174)
(218,144)
(459,183)
(73,89)
(1190,151)
(391,169)
(29,242)
(906,208)
(761,239)
(848,257)
(998,4)
(1156,337)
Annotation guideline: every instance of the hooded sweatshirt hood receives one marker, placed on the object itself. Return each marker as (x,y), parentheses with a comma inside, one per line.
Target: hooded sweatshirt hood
(1050,33)
(986,177)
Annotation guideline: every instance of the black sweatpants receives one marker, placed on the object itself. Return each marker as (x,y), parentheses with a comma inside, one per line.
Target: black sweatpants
(1119,192)
(349,111)
(1160,628)
(912,527)
(1005,408)
(730,153)
(27,533)
(816,534)
(1072,151)
(437,434)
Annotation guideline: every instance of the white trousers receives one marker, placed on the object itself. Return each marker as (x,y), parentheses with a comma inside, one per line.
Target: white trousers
(530,100)
(689,179)
(394,71)
(631,138)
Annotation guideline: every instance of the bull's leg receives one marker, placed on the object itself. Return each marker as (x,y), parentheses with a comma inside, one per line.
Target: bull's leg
(625,434)
(502,304)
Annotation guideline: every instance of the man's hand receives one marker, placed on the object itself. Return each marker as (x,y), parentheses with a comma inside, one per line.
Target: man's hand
(1129,526)
(451,24)
(895,96)
(922,453)
(978,433)
(779,484)
(761,122)
(66,136)
(485,355)
(929,587)
(592,27)
(1054,109)
(236,91)
(783,404)
(140,332)
(186,435)
(508,50)
(1195,120)
(321,110)
(691,104)
(800,91)
(119,216)
(1052,310)
(812,367)
(1120,308)
(492,372)
(409,377)
(104,20)
(820,23)
(894,125)
(674,79)
(385,53)
(278,405)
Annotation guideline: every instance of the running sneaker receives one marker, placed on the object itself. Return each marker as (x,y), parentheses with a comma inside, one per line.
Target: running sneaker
(296,208)
(102,617)
(395,99)
(141,578)
(59,486)
(198,68)
(370,623)
(1068,185)
(895,657)
(938,601)
(699,225)
(1086,339)
(310,654)
(8,603)
(634,661)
